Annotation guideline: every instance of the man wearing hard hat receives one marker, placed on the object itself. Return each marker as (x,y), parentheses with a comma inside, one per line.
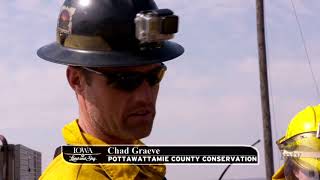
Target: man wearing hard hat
(301,147)
(114,50)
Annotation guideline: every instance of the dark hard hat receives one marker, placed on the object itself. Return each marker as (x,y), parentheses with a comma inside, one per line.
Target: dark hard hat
(101,33)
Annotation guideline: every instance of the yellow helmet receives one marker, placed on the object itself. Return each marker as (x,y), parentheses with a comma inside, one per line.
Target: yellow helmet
(301,144)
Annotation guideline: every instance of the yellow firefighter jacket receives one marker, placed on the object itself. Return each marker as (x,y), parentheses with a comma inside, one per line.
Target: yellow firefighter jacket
(279,175)
(61,170)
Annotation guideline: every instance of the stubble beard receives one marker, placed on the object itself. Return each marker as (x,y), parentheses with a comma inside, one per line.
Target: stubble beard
(106,126)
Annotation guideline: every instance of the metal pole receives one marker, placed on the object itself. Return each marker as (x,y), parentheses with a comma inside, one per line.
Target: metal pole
(268,150)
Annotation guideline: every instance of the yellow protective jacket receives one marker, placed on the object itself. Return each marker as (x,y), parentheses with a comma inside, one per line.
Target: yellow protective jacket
(279,175)
(61,170)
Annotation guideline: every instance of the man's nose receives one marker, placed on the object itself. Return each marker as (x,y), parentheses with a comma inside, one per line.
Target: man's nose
(144,92)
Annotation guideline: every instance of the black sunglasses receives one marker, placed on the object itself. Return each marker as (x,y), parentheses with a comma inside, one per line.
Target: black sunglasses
(129,81)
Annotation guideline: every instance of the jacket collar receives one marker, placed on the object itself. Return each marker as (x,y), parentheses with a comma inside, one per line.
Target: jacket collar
(73,135)
(279,175)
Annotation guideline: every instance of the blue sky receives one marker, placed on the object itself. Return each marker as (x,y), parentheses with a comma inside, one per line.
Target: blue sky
(210,95)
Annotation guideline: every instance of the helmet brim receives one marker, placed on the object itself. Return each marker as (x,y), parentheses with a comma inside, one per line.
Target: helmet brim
(56,53)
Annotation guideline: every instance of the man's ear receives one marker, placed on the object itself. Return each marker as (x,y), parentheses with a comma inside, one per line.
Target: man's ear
(75,79)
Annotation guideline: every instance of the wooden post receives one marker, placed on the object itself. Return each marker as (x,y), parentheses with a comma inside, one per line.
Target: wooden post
(267,133)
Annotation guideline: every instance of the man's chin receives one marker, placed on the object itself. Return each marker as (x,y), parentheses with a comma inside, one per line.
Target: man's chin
(143,134)
(140,133)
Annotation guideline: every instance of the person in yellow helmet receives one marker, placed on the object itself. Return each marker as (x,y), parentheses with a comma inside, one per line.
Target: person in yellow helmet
(300,147)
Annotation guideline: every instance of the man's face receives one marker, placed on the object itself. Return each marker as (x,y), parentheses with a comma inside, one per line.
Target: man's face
(120,114)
